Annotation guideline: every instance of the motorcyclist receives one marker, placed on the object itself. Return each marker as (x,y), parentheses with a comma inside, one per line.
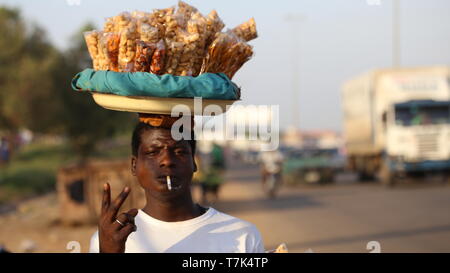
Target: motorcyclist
(271,164)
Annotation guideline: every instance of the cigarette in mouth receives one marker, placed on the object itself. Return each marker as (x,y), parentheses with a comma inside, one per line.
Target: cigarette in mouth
(169,183)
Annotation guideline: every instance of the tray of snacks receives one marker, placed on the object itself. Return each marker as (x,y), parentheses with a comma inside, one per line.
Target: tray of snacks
(148,62)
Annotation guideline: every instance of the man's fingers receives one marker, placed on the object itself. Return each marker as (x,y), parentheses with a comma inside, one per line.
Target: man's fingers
(125,218)
(126,230)
(106,197)
(132,212)
(115,206)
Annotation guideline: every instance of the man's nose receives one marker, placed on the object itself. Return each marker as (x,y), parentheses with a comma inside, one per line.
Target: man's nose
(167,159)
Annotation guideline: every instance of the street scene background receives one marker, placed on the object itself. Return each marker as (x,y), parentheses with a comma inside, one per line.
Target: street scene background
(363,130)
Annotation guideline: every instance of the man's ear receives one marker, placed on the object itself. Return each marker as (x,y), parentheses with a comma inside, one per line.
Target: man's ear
(133,165)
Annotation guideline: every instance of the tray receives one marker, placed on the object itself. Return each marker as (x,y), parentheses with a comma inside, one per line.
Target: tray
(153,105)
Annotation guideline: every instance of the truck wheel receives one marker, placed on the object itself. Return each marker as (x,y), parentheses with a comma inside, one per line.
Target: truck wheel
(364,177)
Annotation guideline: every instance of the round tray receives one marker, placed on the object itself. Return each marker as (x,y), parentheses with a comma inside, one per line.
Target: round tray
(154,105)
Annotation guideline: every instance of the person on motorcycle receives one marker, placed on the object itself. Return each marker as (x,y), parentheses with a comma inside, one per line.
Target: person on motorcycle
(271,164)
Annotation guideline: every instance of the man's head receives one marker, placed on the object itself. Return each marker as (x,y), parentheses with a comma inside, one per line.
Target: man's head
(156,155)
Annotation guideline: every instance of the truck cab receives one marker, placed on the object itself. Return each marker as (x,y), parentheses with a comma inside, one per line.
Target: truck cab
(418,136)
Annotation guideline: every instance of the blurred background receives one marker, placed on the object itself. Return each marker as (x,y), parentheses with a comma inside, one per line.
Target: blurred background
(363,89)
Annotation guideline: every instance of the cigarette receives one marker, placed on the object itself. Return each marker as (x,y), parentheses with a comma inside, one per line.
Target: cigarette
(169,183)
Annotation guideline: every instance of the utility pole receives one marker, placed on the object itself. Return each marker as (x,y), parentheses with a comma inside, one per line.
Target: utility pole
(295,20)
(396,52)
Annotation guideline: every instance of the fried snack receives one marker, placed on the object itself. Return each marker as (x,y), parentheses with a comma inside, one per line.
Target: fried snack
(159,55)
(187,58)
(185,12)
(141,18)
(127,49)
(174,52)
(109,25)
(173,25)
(97,50)
(246,30)
(178,41)
(110,47)
(102,57)
(158,19)
(149,33)
(92,40)
(214,25)
(198,26)
(226,54)
(144,54)
(124,21)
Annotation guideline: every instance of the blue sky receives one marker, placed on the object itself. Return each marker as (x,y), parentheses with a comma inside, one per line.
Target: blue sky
(337,40)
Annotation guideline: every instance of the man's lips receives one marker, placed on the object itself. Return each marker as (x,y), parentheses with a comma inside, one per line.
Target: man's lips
(175,183)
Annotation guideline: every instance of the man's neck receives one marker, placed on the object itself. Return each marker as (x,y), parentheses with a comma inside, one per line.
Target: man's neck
(179,209)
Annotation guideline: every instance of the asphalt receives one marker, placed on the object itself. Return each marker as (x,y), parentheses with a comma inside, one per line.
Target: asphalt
(347,216)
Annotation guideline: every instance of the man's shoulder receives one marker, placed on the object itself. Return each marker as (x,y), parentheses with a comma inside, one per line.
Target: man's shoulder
(231,222)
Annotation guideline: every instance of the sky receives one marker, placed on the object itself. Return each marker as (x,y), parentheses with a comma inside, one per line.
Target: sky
(333,41)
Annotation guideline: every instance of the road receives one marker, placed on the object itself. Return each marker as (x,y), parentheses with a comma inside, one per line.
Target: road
(342,217)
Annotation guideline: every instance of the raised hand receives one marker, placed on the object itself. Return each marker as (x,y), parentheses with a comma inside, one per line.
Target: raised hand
(114,230)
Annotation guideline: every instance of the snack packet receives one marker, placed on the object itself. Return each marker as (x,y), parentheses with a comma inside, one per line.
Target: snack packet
(92,38)
(226,54)
(174,52)
(159,55)
(110,46)
(144,54)
(214,25)
(246,30)
(149,33)
(127,49)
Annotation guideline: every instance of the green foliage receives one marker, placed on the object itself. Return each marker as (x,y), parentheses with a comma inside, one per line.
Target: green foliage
(32,171)
(35,90)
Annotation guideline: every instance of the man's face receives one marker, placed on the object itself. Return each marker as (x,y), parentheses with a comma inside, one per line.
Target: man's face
(160,156)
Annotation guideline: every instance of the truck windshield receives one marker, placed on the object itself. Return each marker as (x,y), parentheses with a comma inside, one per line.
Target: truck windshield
(410,115)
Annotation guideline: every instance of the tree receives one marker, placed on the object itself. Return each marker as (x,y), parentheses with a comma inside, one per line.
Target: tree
(83,121)
(35,90)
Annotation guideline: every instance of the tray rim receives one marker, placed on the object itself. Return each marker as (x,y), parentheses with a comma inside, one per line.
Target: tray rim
(186,101)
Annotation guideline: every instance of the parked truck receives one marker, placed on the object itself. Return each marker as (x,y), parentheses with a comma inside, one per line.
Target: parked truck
(397,123)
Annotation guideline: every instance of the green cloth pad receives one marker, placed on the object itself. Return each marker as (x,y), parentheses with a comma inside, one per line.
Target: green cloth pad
(207,85)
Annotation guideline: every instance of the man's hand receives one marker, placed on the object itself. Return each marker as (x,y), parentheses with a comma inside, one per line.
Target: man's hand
(114,230)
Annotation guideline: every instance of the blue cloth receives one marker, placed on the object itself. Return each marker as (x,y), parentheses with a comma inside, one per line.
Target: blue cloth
(207,86)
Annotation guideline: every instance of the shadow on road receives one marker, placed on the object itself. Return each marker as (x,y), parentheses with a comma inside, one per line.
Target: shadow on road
(370,237)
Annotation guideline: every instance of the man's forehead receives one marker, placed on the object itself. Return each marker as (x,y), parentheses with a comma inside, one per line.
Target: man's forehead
(159,137)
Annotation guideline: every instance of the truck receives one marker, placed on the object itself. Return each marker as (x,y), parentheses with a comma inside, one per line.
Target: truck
(397,123)
(312,165)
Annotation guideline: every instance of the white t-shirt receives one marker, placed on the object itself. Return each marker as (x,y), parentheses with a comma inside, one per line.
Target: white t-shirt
(211,232)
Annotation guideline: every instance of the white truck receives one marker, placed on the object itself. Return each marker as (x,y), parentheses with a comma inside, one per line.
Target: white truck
(397,123)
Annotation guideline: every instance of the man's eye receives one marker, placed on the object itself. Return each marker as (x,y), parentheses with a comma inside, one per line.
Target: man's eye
(180,151)
(151,153)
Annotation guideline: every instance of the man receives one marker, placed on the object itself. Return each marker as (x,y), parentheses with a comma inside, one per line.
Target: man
(170,220)
(271,165)
(213,175)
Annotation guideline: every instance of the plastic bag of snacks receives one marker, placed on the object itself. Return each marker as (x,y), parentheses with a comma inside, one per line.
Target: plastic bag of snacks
(157,64)
(109,43)
(246,30)
(226,54)
(144,55)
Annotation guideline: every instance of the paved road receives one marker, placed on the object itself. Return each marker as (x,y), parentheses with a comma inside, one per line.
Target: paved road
(343,217)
